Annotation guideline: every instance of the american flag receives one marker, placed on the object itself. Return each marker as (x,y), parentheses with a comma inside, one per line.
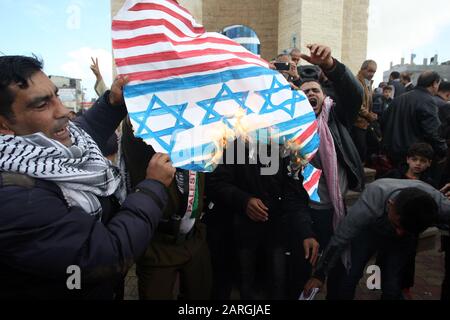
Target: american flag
(188,86)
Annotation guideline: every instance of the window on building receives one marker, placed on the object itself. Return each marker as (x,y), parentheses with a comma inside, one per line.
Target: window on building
(245,36)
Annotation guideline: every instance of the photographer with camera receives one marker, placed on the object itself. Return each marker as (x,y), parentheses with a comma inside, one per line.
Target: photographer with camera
(288,69)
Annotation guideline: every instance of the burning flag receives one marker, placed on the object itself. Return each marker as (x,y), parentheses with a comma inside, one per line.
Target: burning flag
(190,90)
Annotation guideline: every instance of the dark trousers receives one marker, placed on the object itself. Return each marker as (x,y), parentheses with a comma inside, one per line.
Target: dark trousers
(223,253)
(445,294)
(393,253)
(261,252)
(164,263)
(301,269)
(359,137)
(409,273)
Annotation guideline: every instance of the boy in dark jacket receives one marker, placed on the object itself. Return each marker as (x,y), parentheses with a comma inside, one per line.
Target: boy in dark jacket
(418,161)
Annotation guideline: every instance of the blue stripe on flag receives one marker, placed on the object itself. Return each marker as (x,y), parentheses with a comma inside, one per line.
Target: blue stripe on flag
(311,146)
(315,196)
(297,122)
(307,171)
(204,150)
(196,81)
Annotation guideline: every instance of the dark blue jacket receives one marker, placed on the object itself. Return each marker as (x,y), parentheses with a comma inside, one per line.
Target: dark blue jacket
(40,237)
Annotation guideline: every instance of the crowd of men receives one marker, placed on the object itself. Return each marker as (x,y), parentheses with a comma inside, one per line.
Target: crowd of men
(63,204)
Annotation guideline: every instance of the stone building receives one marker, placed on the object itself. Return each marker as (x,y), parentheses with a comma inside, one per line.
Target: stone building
(284,24)
(416,69)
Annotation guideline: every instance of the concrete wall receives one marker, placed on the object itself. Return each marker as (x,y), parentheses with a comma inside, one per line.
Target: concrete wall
(341,24)
(355,33)
(195,7)
(289,25)
(321,22)
(260,15)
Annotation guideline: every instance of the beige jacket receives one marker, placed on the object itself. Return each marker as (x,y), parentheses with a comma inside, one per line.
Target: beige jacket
(366,116)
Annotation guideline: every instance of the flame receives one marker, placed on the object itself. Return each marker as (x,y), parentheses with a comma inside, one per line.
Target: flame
(223,134)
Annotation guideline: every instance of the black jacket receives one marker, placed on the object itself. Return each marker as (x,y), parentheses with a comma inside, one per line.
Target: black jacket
(40,236)
(401,172)
(444,117)
(380,104)
(348,99)
(399,88)
(409,87)
(411,118)
(231,186)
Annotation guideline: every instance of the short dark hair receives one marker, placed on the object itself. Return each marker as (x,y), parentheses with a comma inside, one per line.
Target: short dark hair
(422,150)
(385,88)
(310,72)
(395,75)
(444,86)
(427,79)
(307,80)
(406,76)
(15,70)
(417,210)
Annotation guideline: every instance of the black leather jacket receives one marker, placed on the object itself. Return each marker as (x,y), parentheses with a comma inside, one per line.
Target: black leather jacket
(348,99)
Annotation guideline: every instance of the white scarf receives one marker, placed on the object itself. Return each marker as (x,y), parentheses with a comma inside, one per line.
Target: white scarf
(80,171)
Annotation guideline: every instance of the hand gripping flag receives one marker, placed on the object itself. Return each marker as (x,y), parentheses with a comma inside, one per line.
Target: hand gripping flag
(189,89)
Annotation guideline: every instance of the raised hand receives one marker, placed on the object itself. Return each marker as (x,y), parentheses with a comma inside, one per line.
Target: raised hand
(116,97)
(95,68)
(319,56)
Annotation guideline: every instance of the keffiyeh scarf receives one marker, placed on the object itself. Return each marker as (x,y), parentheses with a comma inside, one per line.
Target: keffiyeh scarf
(329,163)
(80,171)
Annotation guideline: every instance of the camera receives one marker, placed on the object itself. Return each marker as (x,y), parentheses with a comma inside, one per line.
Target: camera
(282,66)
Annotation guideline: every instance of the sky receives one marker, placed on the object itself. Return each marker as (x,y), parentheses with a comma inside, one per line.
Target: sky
(398,28)
(64,33)
(67,33)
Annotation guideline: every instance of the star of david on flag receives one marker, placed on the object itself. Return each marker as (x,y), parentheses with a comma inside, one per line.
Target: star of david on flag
(188,85)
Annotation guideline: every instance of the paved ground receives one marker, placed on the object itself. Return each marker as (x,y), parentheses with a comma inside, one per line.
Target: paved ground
(429,276)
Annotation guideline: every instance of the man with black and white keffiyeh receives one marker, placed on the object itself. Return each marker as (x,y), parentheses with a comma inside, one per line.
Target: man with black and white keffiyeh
(56,187)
